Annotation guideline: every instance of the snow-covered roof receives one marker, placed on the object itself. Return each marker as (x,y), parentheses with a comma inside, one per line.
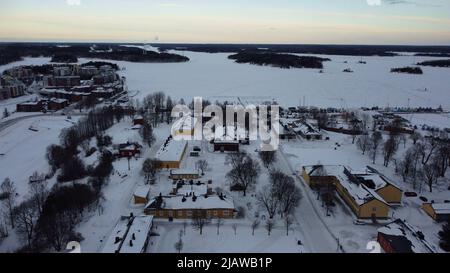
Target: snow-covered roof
(172,150)
(405,238)
(187,189)
(137,234)
(114,241)
(201,202)
(327,170)
(441,208)
(359,192)
(142,191)
(306,129)
(119,240)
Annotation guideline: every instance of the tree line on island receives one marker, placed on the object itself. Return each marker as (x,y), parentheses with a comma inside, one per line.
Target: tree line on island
(278,60)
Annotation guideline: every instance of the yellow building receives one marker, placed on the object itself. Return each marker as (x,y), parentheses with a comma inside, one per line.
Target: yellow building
(141,193)
(184,126)
(438,211)
(364,192)
(171,153)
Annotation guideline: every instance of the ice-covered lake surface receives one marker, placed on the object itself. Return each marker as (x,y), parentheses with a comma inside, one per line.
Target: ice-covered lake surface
(215,77)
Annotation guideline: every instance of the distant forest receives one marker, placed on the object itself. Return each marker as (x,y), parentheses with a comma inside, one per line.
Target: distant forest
(436,63)
(11,52)
(408,70)
(347,50)
(278,60)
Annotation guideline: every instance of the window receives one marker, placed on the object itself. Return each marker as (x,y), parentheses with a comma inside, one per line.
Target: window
(180,213)
(225,213)
(374,209)
(215,213)
(161,213)
(189,213)
(170,213)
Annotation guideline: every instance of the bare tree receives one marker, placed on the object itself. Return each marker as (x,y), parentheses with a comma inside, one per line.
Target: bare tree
(202,165)
(199,221)
(376,139)
(150,168)
(255,225)
(26,216)
(9,202)
(288,221)
(39,193)
(268,199)
(234,227)
(270,223)
(431,174)
(363,143)
(365,120)
(245,170)
(267,157)
(285,191)
(416,136)
(389,149)
(219,223)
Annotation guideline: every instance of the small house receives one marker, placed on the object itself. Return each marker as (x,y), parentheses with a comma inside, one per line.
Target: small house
(401,237)
(129,149)
(141,194)
(226,145)
(438,211)
(184,174)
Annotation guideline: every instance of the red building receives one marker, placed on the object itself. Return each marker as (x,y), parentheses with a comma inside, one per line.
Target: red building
(129,149)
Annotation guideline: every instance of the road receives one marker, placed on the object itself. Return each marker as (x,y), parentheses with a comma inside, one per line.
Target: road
(318,236)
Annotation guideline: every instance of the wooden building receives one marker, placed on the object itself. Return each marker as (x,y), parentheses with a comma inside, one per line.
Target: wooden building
(141,194)
(438,211)
(401,237)
(30,106)
(171,153)
(129,149)
(226,145)
(184,174)
(186,207)
(364,201)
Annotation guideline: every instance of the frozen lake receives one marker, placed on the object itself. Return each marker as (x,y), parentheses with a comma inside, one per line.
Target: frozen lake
(214,76)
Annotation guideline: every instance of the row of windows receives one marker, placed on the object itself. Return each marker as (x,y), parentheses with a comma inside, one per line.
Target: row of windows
(189,213)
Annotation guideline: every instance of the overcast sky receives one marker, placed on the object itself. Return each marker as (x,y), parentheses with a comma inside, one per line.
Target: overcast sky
(228,21)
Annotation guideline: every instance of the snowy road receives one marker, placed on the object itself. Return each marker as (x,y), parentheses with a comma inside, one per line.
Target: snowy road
(317,235)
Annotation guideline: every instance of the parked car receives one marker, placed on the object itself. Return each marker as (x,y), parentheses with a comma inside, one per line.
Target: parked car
(196,149)
(410,194)
(423,198)
(194,154)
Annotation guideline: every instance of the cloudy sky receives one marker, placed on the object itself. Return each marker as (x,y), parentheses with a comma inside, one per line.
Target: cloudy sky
(228,21)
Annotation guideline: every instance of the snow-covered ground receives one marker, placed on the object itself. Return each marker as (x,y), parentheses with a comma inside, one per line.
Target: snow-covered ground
(22,151)
(441,120)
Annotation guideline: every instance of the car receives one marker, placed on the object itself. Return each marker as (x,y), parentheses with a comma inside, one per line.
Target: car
(196,149)
(410,194)
(194,154)
(423,198)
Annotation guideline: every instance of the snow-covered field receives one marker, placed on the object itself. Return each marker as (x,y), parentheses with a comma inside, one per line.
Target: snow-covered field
(22,151)
(430,120)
